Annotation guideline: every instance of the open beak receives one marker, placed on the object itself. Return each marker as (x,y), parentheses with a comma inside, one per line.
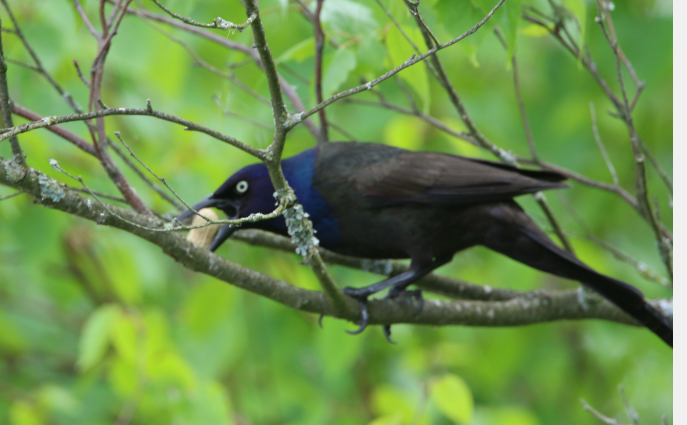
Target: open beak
(230,208)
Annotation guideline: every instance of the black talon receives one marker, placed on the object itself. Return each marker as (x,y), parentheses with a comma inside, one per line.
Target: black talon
(387,333)
(364,317)
(319,321)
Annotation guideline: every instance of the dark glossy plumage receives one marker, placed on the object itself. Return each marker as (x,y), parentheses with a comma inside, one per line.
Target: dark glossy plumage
(375,201)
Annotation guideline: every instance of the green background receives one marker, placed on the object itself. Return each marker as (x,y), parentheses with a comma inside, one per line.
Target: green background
(100,327)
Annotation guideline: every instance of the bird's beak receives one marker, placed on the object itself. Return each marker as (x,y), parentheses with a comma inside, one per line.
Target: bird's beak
(229,207)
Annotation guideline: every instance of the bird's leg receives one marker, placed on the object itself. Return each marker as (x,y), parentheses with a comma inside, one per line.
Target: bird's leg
(398,284)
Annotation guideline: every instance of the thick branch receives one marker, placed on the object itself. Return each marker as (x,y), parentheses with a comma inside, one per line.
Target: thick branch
(536,308)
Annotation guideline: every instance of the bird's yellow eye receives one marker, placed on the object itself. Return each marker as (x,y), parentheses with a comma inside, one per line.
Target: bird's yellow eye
(242,186)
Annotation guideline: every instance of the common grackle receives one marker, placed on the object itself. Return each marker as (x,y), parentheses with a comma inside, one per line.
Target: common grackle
(375,201)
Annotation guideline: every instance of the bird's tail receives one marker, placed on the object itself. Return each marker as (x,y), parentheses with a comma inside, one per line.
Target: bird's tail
(530,245)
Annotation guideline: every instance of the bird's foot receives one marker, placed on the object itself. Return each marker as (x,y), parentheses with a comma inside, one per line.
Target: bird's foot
(360,295)
(387,333)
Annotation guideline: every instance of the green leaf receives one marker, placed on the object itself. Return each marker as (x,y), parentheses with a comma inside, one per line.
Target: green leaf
(122,377)
(388,420)
(348,16)
(460,16)
(506,415)
(405,132)
(11,341)
(23,412)
(337,70)
(578,9)
(58,399)
(453,398)
(209,405)
(400,51)
(299,52)
(205,307)
(511,22)
(95,336)
(390,403)
(170,369)
(534,30)
(125,338)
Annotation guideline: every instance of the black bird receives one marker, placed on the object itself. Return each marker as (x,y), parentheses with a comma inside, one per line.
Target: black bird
(375,201)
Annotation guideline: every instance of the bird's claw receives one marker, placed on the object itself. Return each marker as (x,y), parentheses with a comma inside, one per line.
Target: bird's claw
(361,296)
(319,320)
(364,318)
(387,333)
(395,292)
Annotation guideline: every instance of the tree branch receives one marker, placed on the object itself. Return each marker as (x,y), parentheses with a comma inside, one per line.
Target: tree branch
(537,307)
(5,105)
(410,62)
(188,125)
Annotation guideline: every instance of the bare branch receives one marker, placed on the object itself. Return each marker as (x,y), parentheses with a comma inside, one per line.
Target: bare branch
(188,125)
(631,412)
(12,195)
(319,53)
(600,416)
(5,104)
(389,74)
(38,64)
(602,148)
(299,226)
(537,307)
(60,131)
(218,23)
(287,89)
(161,179)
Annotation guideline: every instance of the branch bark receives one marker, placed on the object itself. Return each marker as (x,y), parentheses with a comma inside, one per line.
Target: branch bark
(534,307)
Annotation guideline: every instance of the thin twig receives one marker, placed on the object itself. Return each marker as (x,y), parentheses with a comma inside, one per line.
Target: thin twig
(84,18)
(602,148)
(23,65)
(167,227)
(319,53)
(38,64)
(161,179)
(5,104)
(98,194)
(406,64)
(600,416)
(631,412)
(200,61)
(11,195)
(299,226)
(218,23)
(188,125)
(60,131)
(143,177)
(286,87)
(80,74)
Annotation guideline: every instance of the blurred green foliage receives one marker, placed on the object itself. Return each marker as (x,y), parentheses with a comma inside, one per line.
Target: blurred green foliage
(99,327)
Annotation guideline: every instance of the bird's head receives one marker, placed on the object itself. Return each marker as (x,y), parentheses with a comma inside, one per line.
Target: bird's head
(246,192)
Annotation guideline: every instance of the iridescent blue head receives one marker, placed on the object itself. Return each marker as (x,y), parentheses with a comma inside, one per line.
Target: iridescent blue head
(250,191)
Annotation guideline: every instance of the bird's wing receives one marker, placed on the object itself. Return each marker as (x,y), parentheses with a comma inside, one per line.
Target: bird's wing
(441,179)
